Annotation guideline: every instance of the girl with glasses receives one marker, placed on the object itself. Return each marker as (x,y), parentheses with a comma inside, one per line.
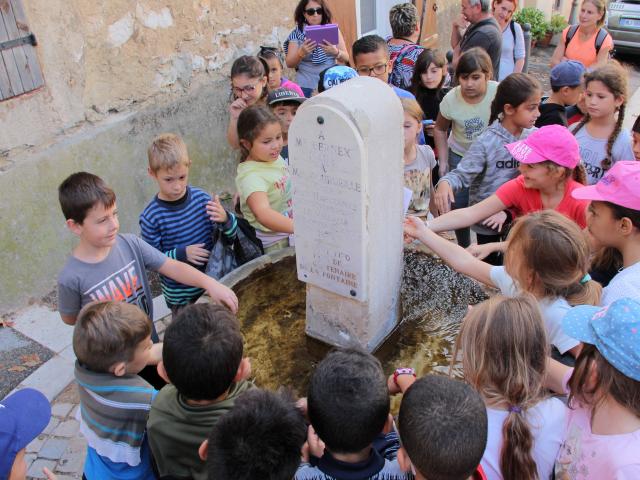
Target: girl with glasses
(248,87)
(305,55)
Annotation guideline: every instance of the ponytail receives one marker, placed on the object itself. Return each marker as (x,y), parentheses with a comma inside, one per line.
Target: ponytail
(608,160)
(514,90)
(516,460)
(579,174)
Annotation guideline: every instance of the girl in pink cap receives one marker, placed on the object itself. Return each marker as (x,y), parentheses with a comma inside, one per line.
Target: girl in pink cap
(614,223)
(549,171)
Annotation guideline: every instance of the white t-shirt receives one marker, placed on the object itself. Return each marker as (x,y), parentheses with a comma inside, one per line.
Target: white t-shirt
(594,150)
(625,284)
(553,310)
(547,421)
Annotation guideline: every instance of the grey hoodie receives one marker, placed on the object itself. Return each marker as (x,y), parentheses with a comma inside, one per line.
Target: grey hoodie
(486,166)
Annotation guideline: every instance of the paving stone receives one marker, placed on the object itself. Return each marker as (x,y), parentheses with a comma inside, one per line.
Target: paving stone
(29,458)
(53,448)
(74,412)
(69,477)
(68,428)
(61,409)
(52,377)
(45,327)
(73,459)
(35,470)
(53,423)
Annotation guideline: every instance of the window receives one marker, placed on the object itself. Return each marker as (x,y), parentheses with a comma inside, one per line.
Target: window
(373,16)
(19,68)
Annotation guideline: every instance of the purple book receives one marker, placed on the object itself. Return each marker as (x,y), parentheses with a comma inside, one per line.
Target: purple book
(319,33)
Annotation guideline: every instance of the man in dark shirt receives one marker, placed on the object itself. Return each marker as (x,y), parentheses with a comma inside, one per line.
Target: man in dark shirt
(482,31)
(566,85)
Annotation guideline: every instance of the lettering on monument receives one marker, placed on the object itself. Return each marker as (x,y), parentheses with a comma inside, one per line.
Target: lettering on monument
(328,200)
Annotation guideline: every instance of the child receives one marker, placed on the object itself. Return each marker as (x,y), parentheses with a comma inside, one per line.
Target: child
(180,219)
(547,256)
(443,428)
(23,416)
(419,160)
(371,58)
(260,438)
(635,131)
(284,104)
(600,135)
(112,341)
(566,85)
(248,87)
(549,168)
(603,428)
(202,359)
(504,351)
(348,407)
(487,165)
(334,76)
(465,110)
(262,179)
(614,222)
(108,266)
(273,57)
(305,55)
(429,77)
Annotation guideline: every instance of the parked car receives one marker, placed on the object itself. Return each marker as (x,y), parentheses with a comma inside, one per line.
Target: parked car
(623,23)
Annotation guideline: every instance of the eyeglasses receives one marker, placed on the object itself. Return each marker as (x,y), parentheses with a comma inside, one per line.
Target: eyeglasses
(314,11)
(376,69)
(248,89)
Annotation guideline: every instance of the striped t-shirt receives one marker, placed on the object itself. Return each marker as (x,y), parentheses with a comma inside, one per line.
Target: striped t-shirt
(317,56)
(172,226)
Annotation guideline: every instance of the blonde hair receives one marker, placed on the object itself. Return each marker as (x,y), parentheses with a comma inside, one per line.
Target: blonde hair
(504,351)
(107,333)
(601,6)
(167,151)
(612,76)
(412,108)
(549,252)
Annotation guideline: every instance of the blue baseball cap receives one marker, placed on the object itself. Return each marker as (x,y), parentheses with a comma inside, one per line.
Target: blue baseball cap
(335,75)
(614,330)
(567,74)
(23,416)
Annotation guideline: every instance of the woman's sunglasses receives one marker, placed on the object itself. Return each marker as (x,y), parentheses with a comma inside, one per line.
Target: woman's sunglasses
(314,11)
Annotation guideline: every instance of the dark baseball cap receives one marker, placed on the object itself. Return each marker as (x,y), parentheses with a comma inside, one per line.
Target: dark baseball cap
(567,74)
(284,95)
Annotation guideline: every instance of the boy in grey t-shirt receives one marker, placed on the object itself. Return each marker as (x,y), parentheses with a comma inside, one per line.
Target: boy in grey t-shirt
(108,266)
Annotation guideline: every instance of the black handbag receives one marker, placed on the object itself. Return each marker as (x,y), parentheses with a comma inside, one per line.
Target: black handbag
(228,255)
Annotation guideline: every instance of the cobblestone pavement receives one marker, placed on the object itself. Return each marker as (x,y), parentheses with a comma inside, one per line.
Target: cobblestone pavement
(60,447)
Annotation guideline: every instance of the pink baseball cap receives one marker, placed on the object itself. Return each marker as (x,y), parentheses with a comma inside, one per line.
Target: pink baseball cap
(552,142)
(620,186)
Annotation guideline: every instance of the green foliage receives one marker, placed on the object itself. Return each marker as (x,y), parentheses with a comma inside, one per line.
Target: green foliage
(558,23)
(535,18)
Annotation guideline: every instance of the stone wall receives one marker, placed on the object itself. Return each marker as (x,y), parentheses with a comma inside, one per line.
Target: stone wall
(117,73)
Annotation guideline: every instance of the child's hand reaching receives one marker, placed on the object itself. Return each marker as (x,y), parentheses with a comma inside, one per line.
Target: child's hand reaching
(414,228)
(197,254)
(216,211)
(444,197)
(496,221)
(223,295)
(313,446)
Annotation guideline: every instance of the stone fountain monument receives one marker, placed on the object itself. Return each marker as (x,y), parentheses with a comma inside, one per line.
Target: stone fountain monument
(345,149)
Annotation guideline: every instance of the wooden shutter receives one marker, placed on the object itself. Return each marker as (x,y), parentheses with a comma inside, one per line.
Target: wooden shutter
(19,68)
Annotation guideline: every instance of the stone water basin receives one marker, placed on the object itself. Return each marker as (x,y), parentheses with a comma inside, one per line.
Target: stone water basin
(272,315)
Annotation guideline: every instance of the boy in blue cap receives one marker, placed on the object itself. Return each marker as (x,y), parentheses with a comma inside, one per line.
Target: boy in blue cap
(23,416)
(566,85)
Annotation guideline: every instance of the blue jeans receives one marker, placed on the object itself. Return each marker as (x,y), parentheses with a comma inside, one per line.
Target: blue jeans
(463,235)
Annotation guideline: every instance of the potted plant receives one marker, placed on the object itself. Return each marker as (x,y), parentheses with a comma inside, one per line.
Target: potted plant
(534,17)
(557,24)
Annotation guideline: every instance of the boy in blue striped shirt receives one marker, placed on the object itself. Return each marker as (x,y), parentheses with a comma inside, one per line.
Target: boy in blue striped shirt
(180,219)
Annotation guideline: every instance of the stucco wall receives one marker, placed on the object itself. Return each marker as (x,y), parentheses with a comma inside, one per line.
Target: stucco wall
(117,73)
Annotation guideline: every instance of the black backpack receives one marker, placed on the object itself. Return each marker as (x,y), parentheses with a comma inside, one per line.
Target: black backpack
(600,37)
